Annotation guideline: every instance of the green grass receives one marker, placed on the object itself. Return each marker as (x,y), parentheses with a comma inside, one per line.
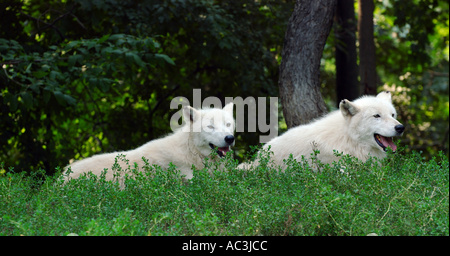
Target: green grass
(404,195)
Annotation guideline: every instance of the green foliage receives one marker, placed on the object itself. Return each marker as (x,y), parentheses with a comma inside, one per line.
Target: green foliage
(400,195)
(82,77)
(420,25)
(412,61)
(412,52)
(45,90)
(94,62)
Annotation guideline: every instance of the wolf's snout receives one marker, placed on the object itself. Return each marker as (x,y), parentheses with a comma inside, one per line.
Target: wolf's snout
(399,128)
(229,139)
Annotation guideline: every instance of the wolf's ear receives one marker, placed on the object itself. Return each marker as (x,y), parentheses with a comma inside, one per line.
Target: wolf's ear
(348,108)
(385,95)
(190,113)
(229,107)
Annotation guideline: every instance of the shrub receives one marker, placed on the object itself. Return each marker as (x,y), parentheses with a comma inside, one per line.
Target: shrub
(399,195)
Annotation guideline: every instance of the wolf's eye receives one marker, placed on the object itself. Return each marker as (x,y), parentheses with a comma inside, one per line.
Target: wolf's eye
(376,116)
(210,126)
(393,115)
(228,124)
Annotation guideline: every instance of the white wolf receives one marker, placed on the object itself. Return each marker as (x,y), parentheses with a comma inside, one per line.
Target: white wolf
(360,128)
(205,130)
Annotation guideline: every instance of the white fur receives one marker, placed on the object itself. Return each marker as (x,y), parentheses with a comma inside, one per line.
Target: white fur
(187,146)
(349,130)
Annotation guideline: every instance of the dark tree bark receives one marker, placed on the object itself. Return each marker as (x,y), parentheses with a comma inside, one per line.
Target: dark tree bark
(304,40)
(367,64)
(347,86)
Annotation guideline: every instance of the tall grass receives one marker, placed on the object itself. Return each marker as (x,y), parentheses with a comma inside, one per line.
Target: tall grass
(401,195)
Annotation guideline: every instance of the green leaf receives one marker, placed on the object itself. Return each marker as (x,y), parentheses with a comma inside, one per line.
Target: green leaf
(103,85)
(64,99)
(106,50)
(165,58)
(60,97)
(138,60)
(90,44)
(117,37)
(55,75)
(27,99)
(73,59)
(103,39)
(93,81)
(72,44)
(47,94)
(28,68)
(35,87)
(70,100)
(40,74)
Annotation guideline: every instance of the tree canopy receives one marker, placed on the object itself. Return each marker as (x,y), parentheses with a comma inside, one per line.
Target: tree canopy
(81,77)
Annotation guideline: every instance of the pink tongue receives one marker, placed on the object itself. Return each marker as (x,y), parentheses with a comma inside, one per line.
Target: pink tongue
(387,142)
(224,149)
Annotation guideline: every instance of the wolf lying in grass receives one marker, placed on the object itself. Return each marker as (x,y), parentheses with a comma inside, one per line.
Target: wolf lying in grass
(362,128)
(205,130)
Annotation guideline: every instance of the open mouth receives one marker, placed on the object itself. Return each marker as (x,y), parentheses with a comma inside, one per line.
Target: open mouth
(220,151)
(385,142)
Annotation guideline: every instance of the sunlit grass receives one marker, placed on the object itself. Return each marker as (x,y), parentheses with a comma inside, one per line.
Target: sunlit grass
(402,196)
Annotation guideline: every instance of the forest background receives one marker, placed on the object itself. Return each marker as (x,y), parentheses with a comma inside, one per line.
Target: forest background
(80,77)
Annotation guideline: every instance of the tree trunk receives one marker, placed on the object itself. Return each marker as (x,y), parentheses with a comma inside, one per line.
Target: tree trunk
(367,65)
(347,86)
(304,40)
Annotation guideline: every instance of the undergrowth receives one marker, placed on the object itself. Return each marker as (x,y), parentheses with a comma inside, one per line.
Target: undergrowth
(399,195)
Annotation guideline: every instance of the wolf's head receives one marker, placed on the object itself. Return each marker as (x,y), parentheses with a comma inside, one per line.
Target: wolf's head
(210,129)
(372,120)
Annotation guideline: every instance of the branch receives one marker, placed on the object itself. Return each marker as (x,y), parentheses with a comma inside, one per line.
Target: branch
(13,62)
(434,73)
(51,25)
(78,21)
